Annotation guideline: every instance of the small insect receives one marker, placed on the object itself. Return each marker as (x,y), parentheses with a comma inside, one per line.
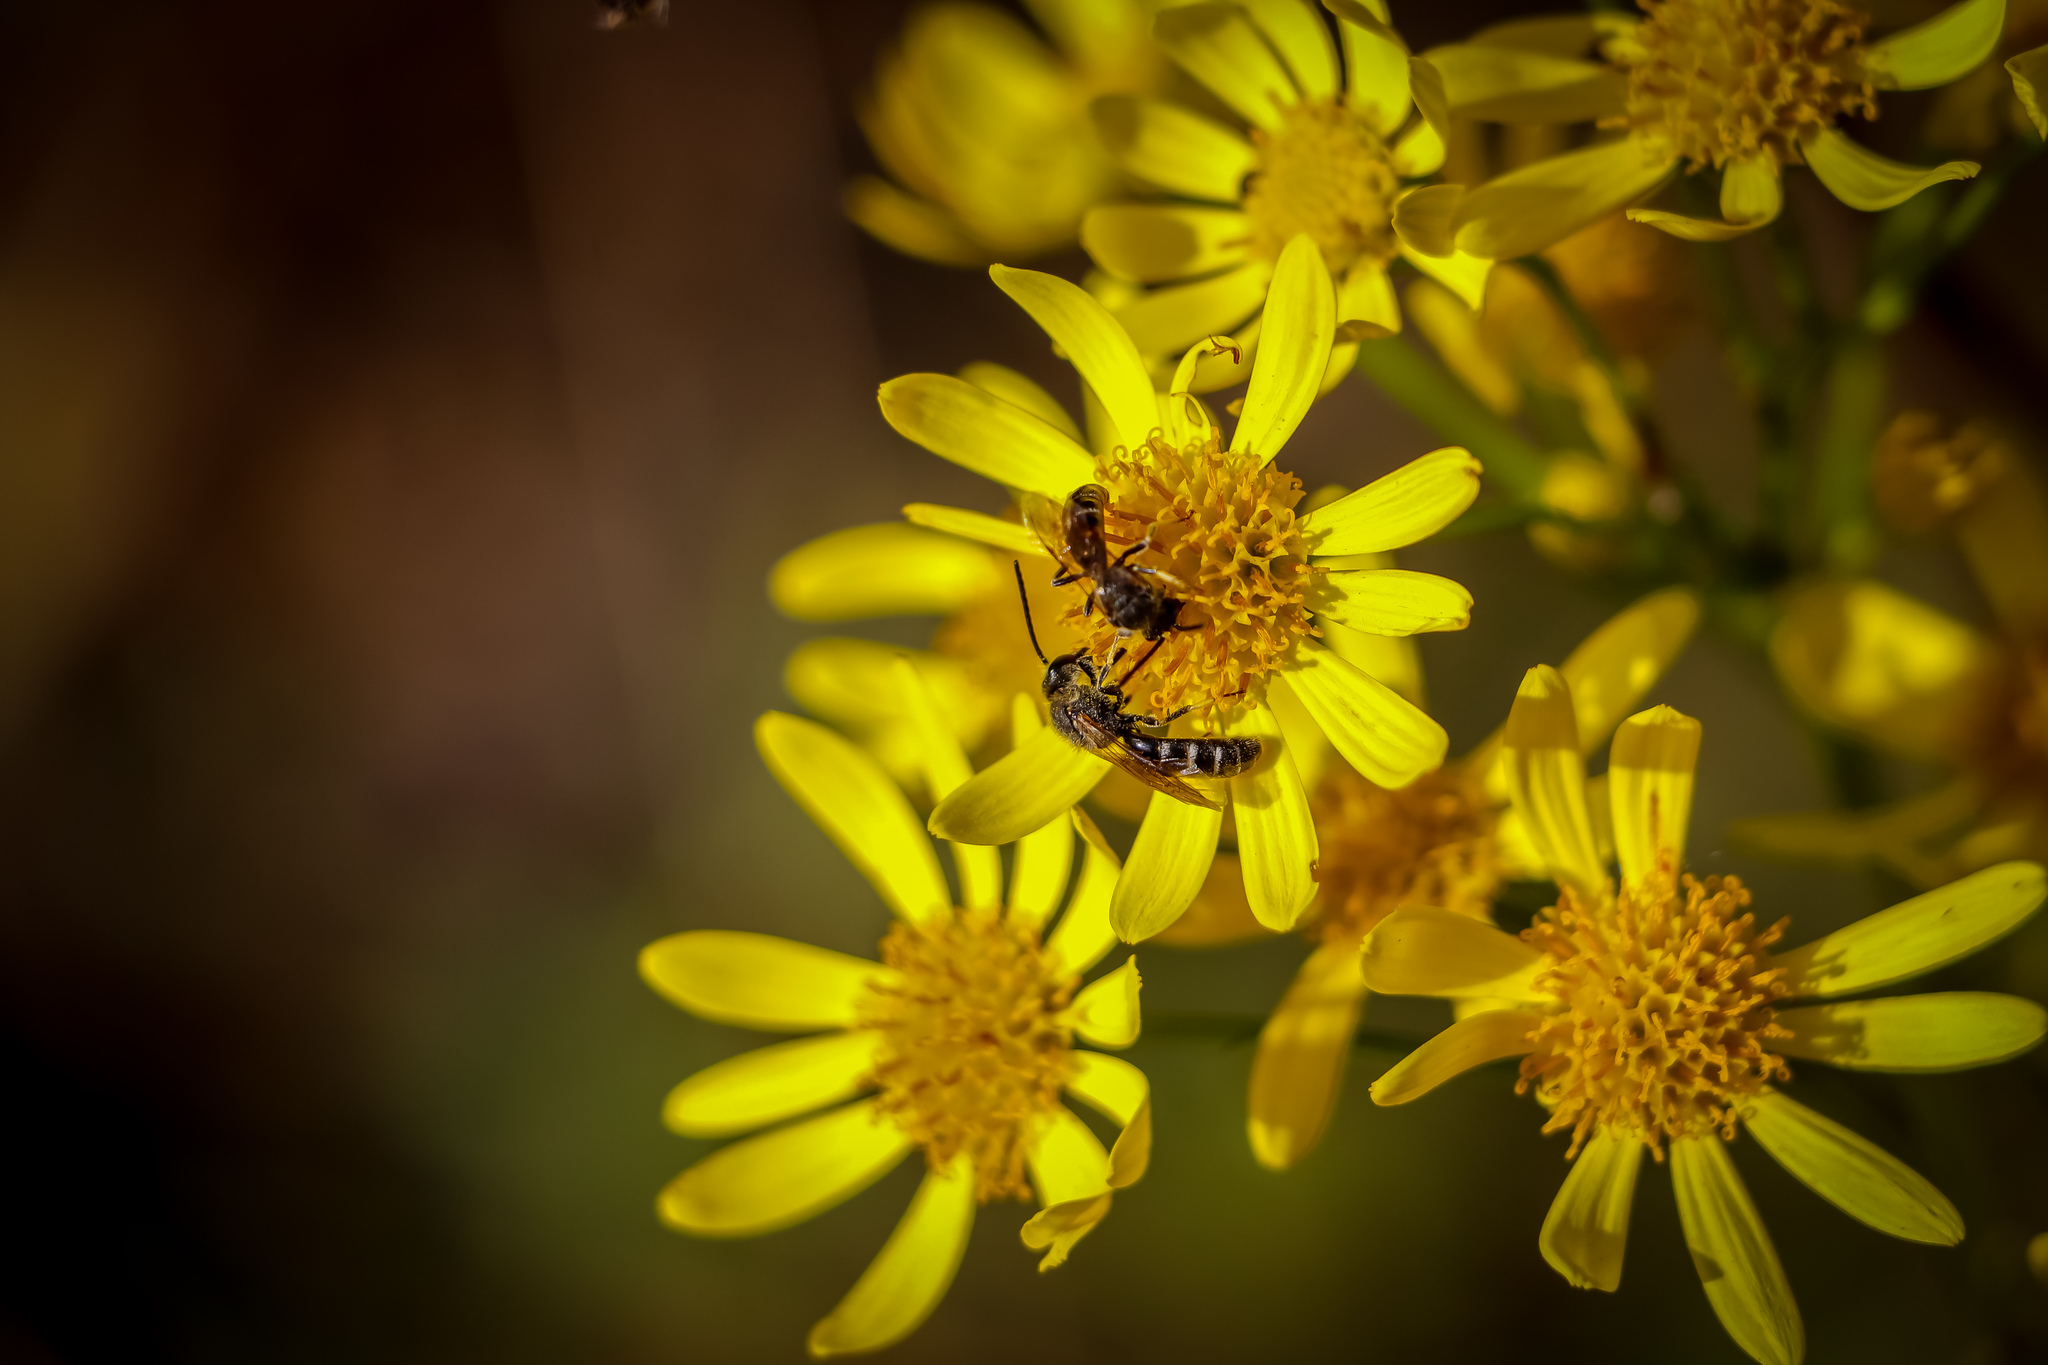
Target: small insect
(1129,597)
(1089,714)
(614,13)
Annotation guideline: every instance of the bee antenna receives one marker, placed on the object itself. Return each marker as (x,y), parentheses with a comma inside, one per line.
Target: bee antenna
(1141,663)
(1030,629)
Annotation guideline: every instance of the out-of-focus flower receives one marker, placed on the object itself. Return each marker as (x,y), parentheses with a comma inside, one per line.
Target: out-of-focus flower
(1983,108)
(1329,149)
(1657,1015)
(1440,841)
(1916,682)
(1745,86)
(2029,73)
(964,1033)
(985,128)
(1218,525)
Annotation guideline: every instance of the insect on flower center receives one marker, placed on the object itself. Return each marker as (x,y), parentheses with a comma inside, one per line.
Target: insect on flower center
(975,1044)
(1226,542)
(1430,843)
(1325,173)
(1725,80)
(1665,996)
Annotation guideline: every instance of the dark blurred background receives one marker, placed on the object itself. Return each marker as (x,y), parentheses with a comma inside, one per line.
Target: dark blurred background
(400,407)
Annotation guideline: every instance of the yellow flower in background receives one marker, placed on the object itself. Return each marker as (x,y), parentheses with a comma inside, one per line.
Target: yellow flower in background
(1983,108)
(964,1033)
(1441,841)
(1656,1014)
(1746,87)
(1222,520)
(986,131)
(1916,682)
(1328,152)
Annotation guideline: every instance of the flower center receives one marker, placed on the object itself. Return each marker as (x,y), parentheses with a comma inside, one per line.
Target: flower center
(1725,80)
(1325,173)
(975,1045)
(1665,995)
(1430,843)
(1227,544)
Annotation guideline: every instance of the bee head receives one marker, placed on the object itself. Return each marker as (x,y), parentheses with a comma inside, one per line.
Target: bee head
(1068,670)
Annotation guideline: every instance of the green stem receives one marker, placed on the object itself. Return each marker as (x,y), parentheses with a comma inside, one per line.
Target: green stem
(1236,1030)
(1422,387)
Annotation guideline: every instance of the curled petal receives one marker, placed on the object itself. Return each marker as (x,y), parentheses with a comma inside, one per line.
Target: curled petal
(915,1268)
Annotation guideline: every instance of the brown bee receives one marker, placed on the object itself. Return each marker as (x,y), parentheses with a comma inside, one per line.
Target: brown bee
(1128,594)
(1090,715)
(614,13)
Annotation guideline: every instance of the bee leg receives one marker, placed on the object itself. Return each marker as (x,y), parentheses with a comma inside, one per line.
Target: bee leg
(1061,580)
(1166,719)
(1120,652)
(1123,558)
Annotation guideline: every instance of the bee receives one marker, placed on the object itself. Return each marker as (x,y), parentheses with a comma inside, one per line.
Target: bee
(1090,714)
(1128,594)
(613,13)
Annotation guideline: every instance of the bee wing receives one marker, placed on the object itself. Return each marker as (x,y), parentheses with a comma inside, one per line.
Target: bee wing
(1112,747)
(1043,516)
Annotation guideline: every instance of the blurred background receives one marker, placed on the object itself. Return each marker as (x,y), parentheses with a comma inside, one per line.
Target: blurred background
(400,407)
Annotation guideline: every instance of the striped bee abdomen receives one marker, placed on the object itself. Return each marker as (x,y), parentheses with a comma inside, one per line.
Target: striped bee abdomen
(1196,757)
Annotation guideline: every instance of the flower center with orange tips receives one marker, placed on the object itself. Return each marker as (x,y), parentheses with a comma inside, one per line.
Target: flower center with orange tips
(1665,998)
(1431,843)
(1726,80)
(975,1046)
(1325,173)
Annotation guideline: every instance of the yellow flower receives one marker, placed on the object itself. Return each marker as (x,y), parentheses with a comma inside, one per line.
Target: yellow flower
(1983,107)
(1326,154)
(964,1033)
(1223,521)
(1916,682)
(1658,1015)
(1747,87)
(1442,841)
(987,130)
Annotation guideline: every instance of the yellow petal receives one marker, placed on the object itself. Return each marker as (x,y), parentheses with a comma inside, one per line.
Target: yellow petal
(1462,274)
(1650,790)
(1174,148)
(1916,936)
(1939,50)
(913,226)
(1019,792)
(884,570)
(845,681)
(1012,387)
(978,431)
(1094,342)
(1044,857)
(1110,1085)
(1948,1031)
(1304,740)
(1418,951)
(1851,1172)
(759,1184)
(1298,34)
(1105,1013)
(1276,836)
(757,980)
(1425,220)
(1392,601)
(1294,348)
(1750,192)
(1155,243)
(1691,229)
(1862,656)
(1376,61)
(903,1284)
(1516,85)
(1385,736)
(1412,503)
(1302,1055)
(1168,321)
(1421,150)
(1614,667)
(1586,1232)
(1365,304)
(1220,915)
(1526,210)
(1864,180)
(1390,658)
(1169,860)
(1737,1265)
(2029,72)
(1546,780)
(849,797)
(945,767)
(1472,1041)
(1057,1227)
(1013,537)
(771,1084)
(1083,936)
(1217,45)
(1072,1174)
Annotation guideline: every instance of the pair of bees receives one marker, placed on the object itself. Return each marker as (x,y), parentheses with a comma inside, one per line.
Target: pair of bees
(1088,710)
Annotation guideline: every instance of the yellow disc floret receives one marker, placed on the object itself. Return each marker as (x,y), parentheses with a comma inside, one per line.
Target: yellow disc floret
(1667,993)
(975,1044)
(1225,541)
(1727,80)
(1429,844)
(1325,173)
